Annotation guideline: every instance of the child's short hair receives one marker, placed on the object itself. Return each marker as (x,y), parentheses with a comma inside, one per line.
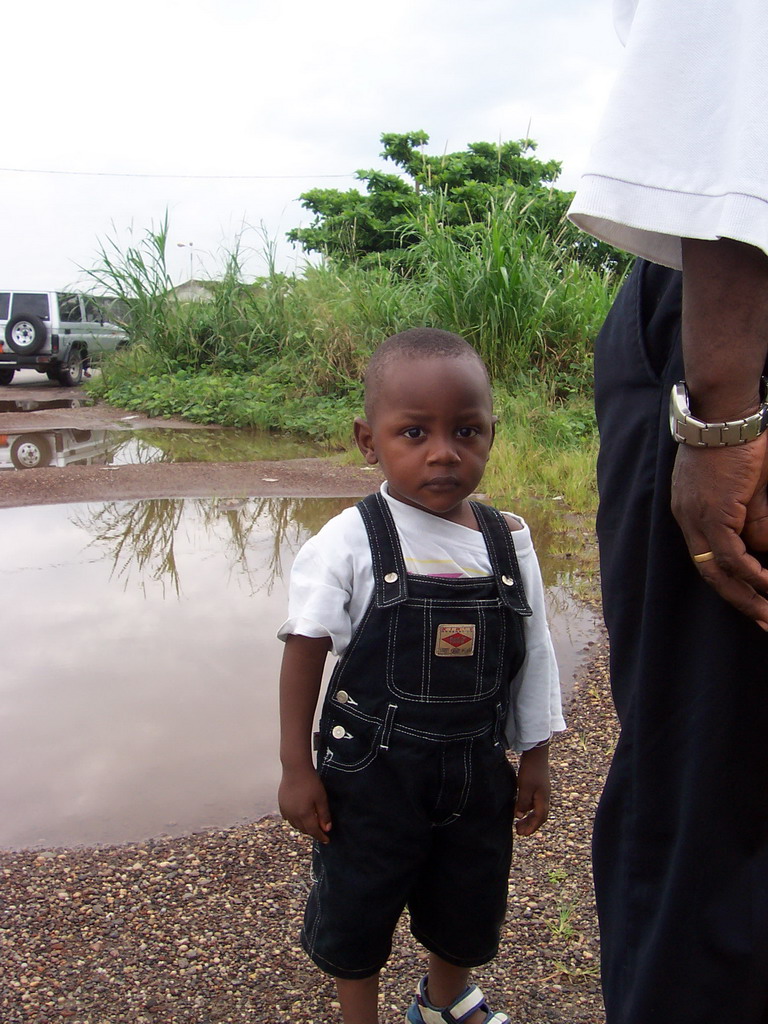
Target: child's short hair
(416,343)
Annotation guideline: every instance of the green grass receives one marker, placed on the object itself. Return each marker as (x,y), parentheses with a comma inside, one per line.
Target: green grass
(562,925)
(546,447)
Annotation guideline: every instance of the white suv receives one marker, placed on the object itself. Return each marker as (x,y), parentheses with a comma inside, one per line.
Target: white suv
(56,333)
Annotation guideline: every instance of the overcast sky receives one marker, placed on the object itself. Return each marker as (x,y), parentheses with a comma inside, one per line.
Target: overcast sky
(115,113)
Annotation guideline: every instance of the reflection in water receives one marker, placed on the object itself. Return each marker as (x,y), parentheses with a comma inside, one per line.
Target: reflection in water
(225,444)
(66,446)
(37,449)
(139,537)
(138,697)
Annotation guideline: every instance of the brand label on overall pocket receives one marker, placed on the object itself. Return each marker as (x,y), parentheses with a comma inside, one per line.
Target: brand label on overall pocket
(455,640)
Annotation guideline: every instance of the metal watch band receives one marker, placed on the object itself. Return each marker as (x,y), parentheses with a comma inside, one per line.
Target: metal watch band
(687,429)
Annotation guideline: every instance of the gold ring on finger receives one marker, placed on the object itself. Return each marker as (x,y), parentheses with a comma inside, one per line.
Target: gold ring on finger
(705,556)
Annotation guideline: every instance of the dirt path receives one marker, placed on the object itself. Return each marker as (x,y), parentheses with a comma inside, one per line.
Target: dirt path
(314,478)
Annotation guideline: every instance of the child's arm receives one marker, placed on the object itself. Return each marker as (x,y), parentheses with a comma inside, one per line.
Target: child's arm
(301,797)
(532,807)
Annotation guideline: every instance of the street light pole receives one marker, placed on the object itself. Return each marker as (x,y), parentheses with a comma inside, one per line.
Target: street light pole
(191,247)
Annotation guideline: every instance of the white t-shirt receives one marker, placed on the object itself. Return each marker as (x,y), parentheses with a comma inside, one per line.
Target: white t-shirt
(682,150)
(332,585)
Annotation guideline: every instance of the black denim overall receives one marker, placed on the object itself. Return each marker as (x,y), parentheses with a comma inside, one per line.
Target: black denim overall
(412,757)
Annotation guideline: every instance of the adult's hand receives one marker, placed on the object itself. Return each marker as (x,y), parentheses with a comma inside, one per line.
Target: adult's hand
(719,494)
(720,501)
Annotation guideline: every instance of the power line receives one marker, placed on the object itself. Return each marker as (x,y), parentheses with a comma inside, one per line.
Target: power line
(180,177)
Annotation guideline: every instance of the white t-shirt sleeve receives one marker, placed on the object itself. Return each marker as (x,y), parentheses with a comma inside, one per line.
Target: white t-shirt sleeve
(682,150)
(535,707)
(322,582)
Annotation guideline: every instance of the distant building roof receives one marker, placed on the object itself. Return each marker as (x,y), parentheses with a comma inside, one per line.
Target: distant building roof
(194,291)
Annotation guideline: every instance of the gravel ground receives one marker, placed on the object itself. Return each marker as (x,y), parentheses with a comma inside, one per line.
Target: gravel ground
(204,929)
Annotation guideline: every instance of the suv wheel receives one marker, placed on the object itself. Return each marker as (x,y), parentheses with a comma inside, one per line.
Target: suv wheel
(71,372)
(6,375)
(25,334)
(30,451)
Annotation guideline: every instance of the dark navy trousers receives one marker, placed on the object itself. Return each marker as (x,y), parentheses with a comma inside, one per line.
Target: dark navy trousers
(681,834)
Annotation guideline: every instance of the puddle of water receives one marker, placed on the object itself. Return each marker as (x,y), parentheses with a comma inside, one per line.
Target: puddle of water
(225,444)
(68,447)
(139,694)
(574,629)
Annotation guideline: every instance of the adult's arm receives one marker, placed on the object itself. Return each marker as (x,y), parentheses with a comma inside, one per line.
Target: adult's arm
(719,494)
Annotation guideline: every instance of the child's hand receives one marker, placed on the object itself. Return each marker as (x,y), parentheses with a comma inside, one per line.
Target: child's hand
(303,802)
(532,807)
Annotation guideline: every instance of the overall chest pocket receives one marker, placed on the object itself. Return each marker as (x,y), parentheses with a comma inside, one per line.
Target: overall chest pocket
(443,652)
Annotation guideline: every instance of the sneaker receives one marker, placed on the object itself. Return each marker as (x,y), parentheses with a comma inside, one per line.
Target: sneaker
(421,1011)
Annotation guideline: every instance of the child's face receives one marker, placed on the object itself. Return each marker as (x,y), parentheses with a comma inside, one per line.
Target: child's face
(431,432)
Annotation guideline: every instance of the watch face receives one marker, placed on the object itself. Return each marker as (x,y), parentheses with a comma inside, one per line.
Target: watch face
(678,409)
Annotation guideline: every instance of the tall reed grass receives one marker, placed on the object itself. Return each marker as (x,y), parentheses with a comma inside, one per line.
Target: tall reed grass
(288,352)
(508,288)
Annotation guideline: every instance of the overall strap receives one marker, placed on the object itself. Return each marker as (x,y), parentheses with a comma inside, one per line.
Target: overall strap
(389,575)
(501,551)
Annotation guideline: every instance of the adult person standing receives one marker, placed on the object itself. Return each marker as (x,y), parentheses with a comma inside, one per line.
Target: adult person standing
(679,176)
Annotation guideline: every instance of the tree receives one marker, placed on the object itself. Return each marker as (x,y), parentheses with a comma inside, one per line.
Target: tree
(380,223)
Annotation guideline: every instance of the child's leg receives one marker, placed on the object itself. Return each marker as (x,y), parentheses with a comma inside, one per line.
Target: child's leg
(446,982)
(359,999)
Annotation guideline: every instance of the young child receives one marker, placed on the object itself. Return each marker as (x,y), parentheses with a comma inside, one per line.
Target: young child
(435,606)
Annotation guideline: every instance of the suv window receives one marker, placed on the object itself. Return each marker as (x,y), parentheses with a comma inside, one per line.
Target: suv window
(69,308)
(5,303)
(31,304)
(113,309)
(92,311)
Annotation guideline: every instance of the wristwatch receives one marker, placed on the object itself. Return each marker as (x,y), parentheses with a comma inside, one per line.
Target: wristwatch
(687,429)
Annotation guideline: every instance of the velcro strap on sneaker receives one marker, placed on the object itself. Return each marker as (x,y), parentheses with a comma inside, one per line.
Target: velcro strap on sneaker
(465,1005)
(430,1016)
(434,1016)
(469,1001)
